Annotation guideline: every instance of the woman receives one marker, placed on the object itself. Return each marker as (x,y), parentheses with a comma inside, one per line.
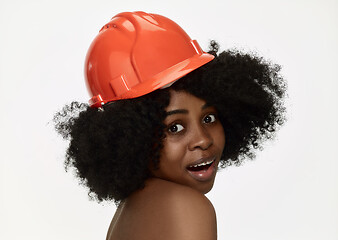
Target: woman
(163,116)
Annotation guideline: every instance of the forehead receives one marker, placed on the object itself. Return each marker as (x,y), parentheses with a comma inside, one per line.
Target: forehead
(184,100)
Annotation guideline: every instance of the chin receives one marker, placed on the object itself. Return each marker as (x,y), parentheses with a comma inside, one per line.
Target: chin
(205,187)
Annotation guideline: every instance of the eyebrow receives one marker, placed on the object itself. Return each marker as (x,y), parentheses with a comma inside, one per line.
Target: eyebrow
(184,111)
(206,106)
(177,111)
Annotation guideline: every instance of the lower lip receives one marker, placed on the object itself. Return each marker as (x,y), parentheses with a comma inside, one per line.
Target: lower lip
(204,175)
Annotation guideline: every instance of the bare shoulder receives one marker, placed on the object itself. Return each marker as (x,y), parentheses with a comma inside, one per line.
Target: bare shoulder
(180,196)
(179,212)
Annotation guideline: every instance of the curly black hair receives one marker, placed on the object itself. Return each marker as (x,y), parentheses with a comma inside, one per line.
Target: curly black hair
(111,148)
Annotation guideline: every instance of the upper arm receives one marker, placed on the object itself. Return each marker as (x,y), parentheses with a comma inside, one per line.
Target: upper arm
(189,215)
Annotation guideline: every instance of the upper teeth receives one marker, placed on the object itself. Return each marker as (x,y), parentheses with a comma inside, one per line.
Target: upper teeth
(202,164)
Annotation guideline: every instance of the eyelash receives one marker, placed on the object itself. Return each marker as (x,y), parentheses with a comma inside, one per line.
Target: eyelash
(174,125)
(213,120)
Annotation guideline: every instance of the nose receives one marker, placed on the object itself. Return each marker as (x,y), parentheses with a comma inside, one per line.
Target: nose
(200,139)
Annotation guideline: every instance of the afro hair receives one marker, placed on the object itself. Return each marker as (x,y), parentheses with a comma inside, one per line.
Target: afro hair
(111,148)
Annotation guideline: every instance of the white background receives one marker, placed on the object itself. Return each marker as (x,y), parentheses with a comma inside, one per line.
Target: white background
(289,192)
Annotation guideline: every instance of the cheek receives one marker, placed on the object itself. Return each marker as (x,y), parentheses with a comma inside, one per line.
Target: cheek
(219,137)
(172,152)
(170,165)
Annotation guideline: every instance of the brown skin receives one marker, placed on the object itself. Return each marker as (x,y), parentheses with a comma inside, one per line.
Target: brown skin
(194,132)
(172,205)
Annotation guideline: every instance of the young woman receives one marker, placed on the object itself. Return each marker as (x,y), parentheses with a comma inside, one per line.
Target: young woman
(163,117)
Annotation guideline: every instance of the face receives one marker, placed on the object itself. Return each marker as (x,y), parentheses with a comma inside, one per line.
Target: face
(193,144)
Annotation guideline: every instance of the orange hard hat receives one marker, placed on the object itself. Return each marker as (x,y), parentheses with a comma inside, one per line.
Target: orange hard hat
(136,53)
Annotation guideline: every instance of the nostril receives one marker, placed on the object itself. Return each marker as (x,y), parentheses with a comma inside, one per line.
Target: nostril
(201,141)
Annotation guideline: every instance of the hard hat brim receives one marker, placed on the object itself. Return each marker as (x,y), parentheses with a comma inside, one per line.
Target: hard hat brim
(167,76)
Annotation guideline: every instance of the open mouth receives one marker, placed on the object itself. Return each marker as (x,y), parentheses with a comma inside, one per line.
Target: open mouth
(203,171)
(204,166)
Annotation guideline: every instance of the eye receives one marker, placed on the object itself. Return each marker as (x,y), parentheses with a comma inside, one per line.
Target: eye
(210,118)
(175,128)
